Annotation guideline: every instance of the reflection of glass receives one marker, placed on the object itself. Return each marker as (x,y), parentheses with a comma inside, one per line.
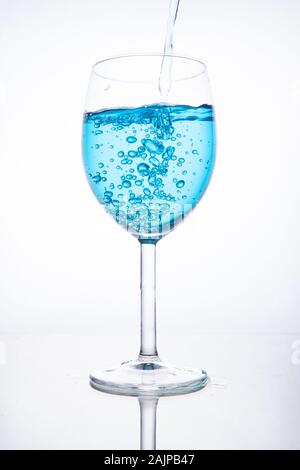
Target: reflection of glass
(148,407)
(148,163)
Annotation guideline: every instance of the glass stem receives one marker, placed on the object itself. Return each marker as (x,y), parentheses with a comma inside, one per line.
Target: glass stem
(148,300)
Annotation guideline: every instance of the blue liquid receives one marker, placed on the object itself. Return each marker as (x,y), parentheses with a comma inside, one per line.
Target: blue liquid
(149,166)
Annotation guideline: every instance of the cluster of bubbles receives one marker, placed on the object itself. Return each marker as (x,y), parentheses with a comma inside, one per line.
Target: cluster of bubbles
(139,200)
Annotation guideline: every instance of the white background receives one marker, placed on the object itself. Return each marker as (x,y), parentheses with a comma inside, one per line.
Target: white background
(233,266)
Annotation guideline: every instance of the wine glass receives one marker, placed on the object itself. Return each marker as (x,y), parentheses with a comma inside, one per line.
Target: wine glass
(148,162)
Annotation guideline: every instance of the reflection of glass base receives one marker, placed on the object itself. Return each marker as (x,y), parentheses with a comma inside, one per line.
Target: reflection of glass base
(148,376)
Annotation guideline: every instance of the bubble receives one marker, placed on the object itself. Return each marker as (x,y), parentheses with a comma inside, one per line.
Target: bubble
(195,152)
(138,182)
(107,199)
(98,132)
(141,149)
(97,146)
(180,184)
(111,186)
(131,139)
(184,172)
(126,184)
(143,169)
(178,135)
(120,186)
(154,161)
(104,172)
(121,154)
(170,150)
(108,194)
(153,146)
(174,180)
(97,178)
(181,160)
(111,160)
(152,180)
(100,165)
(146,191)
(132,153)
(103,178)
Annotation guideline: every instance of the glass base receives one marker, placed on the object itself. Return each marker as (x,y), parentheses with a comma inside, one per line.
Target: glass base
(148,376)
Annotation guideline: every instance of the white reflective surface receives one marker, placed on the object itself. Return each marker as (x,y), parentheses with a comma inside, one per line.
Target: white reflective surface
(252,402)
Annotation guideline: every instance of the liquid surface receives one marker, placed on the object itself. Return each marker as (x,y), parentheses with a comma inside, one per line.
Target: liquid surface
(165,78)
(149,166)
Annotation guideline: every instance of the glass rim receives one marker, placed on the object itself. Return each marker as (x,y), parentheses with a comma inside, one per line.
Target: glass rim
(148,54)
